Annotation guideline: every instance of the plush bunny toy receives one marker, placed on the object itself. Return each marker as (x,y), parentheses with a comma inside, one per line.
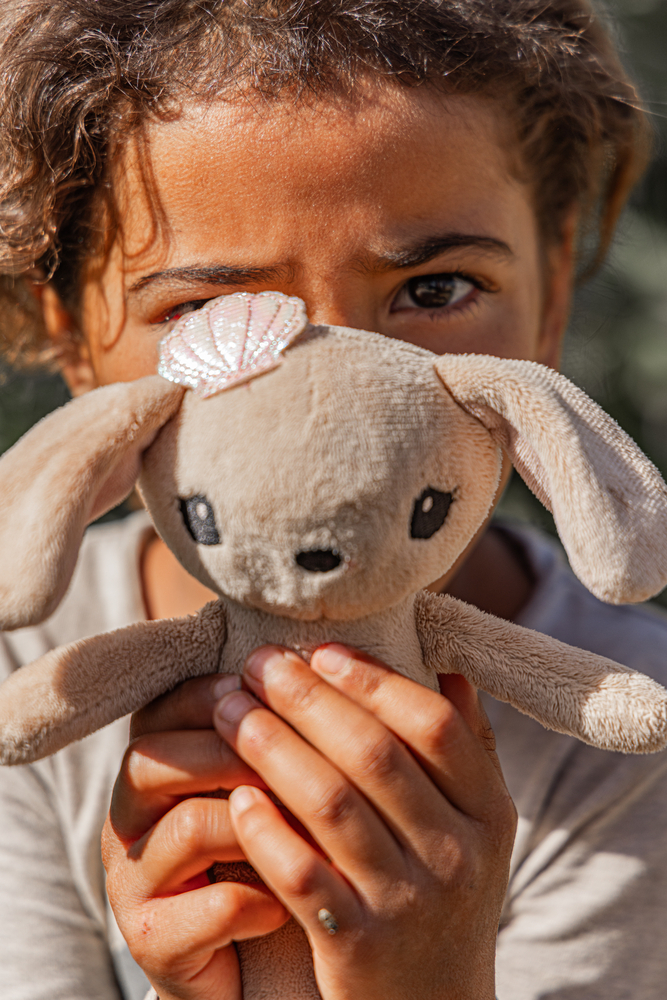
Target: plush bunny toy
(317,478)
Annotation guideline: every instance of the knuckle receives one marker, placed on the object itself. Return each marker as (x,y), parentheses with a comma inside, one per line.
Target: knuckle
(508,819)
(216,755)
(302,879)
(377,758)
(502,817)
(294,686)
(336,804)
(259,736)
(367,676)
(487,735)
(144,941)
(188,826)
(134,771)
(460,866)
(252,822)
(440,728)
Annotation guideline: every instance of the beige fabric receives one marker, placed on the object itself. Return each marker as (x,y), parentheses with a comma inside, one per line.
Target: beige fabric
(586,906)
(58,938)
(72,691)
(564,688)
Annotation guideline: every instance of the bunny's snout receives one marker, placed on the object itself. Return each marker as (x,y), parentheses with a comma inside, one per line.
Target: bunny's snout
(319,560)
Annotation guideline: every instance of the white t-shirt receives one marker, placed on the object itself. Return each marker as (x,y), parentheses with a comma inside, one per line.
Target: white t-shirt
(586,910)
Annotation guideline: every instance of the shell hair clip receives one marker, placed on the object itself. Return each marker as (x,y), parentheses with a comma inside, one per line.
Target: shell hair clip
(231,340)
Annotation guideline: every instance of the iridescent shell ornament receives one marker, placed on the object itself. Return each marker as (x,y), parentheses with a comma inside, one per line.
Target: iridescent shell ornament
(230,340)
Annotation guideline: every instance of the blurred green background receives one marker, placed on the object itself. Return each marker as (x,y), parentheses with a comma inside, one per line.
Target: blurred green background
(616,347)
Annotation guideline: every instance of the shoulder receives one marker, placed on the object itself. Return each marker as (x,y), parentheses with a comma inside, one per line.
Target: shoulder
(53,810)
(58,804)
(560,785)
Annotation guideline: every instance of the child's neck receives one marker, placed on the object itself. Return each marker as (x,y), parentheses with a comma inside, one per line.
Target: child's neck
(168,589)
(493,578)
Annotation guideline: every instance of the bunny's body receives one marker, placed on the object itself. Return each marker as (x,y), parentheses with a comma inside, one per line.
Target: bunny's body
(318,500)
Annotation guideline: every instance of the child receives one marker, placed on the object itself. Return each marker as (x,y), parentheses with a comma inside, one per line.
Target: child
(423,170)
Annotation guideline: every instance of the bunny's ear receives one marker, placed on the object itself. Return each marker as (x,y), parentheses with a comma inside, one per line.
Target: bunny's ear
(608,500)
(70,468)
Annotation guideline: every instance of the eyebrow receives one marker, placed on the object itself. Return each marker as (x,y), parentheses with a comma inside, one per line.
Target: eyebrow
(413,255)
(422,251)
(203,274)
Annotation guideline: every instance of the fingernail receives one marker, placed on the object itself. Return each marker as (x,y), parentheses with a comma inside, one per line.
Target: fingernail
(261,662)
(224,685)
(332,658)
(235,706)
(243,798)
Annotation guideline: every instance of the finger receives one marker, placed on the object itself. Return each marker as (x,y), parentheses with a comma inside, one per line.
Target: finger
(304,881)
(373,759)
(188,706)
(160,769)
(176,938)
(181,847)
(339,818)
(463,695)
(429,724)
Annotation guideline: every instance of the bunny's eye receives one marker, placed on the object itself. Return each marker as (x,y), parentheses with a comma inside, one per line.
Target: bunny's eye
(429,512)
(199,519)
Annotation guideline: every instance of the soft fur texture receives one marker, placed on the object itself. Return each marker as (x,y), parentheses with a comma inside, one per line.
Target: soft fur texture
(607,499)
(71,468)
(331,451)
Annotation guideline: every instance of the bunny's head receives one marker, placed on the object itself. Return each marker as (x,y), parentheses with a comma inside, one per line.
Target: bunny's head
(333,486)
(356,471)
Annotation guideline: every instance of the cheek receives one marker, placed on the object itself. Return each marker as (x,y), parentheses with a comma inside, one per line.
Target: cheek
(121,349)
(132,355)
(516,326)
(514,330)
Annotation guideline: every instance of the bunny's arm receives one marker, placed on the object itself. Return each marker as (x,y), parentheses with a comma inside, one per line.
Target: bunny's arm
(74,690)
(564,688)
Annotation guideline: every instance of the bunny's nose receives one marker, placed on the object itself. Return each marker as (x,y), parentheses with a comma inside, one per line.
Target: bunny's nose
(319,561)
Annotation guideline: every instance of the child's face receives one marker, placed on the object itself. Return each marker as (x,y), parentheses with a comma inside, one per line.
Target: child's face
(398,213)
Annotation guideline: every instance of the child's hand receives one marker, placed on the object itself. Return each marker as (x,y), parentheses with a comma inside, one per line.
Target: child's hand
(420,858)
(158,844)
(403,793)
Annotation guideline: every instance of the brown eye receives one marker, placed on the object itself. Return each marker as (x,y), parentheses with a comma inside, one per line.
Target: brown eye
(182,309)
(433,291)
(429,512)
(199,519)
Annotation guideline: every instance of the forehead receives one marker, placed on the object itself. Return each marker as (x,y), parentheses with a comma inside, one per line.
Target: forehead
(253,177)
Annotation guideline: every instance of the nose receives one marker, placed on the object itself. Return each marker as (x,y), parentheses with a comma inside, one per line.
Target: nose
(335,299)
(319,560)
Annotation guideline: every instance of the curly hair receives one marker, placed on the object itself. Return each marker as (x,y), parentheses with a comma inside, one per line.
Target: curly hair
(77,76)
